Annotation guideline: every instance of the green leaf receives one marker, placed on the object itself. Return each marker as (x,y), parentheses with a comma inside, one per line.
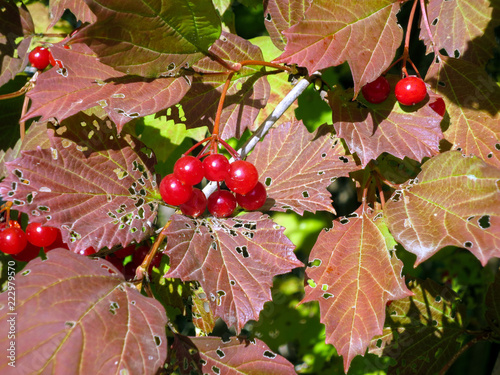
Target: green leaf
(151,38)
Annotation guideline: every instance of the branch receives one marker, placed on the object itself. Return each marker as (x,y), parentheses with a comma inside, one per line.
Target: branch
(268,123)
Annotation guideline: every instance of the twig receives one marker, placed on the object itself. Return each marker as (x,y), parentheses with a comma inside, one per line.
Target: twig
(475,340)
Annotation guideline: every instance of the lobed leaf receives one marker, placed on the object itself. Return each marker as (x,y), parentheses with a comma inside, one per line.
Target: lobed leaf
(84,82)
(472,100)
(246,95)
(353,272)
(296,166)
(67,306)
(372,129)
(79,8)
(15,23)
(454,201)
(333,32)
(423,332)
(280,15)
(151,38)
(104,193)
(233,356)
(234,260)
(463,28)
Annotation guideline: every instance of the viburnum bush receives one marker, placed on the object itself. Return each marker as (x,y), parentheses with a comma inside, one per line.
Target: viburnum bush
(157,171)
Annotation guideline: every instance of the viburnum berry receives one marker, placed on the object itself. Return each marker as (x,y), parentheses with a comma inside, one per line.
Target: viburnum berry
(438,106)
(221,203)
(254,199)
(189,170)
(243,177)
(216,167)
(12,240)
(30,252)
(196,205)
(39,57)
(88,251)
(41,236)
(410,90)
(376,91)
(173,191)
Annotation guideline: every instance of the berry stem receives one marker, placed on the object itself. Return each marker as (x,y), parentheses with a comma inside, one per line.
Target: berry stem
(22,123)
(6,207)
(215,133)
(406,50)
(23,90)
(265,63)
(380,191)
(231,150)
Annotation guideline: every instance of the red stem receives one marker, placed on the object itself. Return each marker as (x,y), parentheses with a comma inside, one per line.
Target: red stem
(215,133)
(407,38)
(265,63)
(428,27)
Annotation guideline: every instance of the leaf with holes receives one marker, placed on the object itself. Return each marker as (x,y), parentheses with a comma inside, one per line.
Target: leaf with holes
(296,167)
(424,331)
(280,15)
(372,129)
(78,7)
(463,28)
(454,201)
(95,308)
(246,95)
(472,100)
(233,259)
(151,38)
(15,23)
(353,273)
(84,82)
(333,32)
(105,190)
(232,356)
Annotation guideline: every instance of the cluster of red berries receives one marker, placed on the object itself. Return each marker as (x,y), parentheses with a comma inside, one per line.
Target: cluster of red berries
(41,57)
(25,245)
(410,90)
(241,178)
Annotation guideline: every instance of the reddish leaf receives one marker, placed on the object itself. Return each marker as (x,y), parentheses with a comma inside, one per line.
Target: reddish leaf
(296,167)
(337,31)
(454,201)
(102,195)
(463,28)
(203,318)
(6,156)
(372,129)
(231,357)
(354,273)
(68,306)
(85,82)
(473,103)
(233,259)
(15,22)
(423,332)
(151,38)
(246,95)
(78,7)
(281,15)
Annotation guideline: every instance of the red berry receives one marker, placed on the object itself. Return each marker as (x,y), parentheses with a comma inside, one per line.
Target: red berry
(216,167)
(55,62)
(39,57)
(12,240)
(221,203)
(58,243)
(30,252)
(88,251)
(12,223)
(438,106)
(377,91)
(41,236)
(410,90)
(196,205)
(254,199)
(243,177)
(124,252)
(173,191)
(189,170)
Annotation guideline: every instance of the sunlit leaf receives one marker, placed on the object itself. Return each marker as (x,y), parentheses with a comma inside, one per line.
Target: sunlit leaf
(280,15)
(334,32)
(151,38)
(454,201)
(296,166)
(104,192)
(78,7)
(68,306)
(233,259)
(353,272)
